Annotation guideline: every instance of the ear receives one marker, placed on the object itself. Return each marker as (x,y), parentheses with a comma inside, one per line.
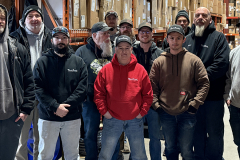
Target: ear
(131,49)
(184,39)
(210,19)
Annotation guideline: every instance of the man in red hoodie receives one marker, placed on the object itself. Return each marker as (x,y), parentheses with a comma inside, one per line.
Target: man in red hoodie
(123,95)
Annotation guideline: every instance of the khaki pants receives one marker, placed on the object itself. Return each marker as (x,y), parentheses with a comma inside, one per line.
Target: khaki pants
(22,150)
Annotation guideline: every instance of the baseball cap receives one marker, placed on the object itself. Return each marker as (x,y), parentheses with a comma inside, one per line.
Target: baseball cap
(176,28)
(100,26)
(60,29)
(128,21)
(111,12)
(145,24)
(123,38)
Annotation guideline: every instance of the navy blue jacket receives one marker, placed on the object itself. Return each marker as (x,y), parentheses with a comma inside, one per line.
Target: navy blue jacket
(212,48)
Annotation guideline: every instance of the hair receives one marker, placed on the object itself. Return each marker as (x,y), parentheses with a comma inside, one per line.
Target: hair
(2,11)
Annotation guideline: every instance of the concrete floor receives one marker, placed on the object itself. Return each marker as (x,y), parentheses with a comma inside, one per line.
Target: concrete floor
(230,149)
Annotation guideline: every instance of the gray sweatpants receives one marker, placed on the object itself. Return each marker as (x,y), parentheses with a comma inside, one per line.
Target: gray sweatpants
(9,137)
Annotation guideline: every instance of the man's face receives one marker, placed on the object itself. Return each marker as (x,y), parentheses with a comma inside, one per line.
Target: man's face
(145,35)
(111,21)
(125,29)
(33,21)
(175,41)
(2,23)
(123,52)
(202,17)
(101,37)
(60,43)
(182,21)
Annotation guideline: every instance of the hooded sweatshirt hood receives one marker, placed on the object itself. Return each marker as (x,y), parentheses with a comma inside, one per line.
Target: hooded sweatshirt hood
(7,108)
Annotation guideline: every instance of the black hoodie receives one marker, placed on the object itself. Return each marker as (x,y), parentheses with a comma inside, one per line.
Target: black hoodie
(212,48)
(139,53)
(60,80)
(91,55)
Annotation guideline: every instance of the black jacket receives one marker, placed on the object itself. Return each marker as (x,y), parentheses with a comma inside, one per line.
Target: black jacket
(165,43)
(91,55)
(60,80)
(212,48)
(139,53)
(21,76)
(21,36)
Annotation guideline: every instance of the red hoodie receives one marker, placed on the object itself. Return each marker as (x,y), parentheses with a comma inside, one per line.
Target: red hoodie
(123,91)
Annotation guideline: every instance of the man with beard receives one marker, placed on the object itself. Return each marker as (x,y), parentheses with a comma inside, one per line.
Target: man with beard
(146,52)
(212,48)
(37,39)
(111,19)
(96,54)
(60,85)
(125,28)
(17,89)
(182,19)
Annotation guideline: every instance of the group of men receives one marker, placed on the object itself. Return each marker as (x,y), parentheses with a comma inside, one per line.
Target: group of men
(125,80)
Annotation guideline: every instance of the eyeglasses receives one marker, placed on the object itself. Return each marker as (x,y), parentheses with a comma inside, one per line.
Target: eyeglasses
(127,27)
(145,32)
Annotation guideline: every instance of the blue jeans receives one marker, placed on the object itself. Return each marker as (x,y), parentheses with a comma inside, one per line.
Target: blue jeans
(153,120)
(178,130)
(48,136)
(91,120)
(112,130)
(208,137)
(235,125)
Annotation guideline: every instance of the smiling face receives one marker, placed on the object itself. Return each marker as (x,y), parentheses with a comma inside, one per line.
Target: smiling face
(123,52)
(145,35)
(33,21)
(175,41)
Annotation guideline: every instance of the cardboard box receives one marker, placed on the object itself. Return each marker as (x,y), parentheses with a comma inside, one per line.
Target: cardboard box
(138,11)
(92,13)
(224,19)
(155,14)
(237,13)
(237,4)
(118,9)
(231,10)
(231,29)
(204,3)
(224,8)
(193,5)
(76,14)
(83,13)
(219,27)
(174,14)
(149,12)
(220,7)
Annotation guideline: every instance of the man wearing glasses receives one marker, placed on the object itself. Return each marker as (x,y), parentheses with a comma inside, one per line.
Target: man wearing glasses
(182,19)
(146,52)
(125,28)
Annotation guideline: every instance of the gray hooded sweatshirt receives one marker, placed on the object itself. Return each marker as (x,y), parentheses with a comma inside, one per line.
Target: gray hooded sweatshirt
(7,108)
(232,88)
(35,42)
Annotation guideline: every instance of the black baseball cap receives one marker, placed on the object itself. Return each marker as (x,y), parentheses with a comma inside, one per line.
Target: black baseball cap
(128,21)
(176,28)
(145,24)
(100,26)
(123,38)
(111,12)
(60,29)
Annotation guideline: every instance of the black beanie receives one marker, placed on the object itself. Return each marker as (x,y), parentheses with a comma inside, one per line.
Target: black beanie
(29,9)
(182,13)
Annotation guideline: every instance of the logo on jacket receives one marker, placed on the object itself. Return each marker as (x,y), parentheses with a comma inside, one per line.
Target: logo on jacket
(72,70)
(132,79)
(205,46)
(97,64)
